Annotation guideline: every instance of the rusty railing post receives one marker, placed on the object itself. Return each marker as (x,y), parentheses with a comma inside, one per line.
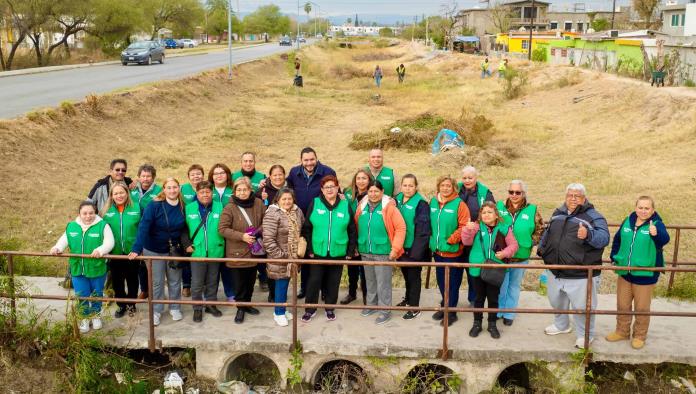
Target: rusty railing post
(588,315)
(11,283)
(445,317)
(674,260)
(427,277)
(150,307)
(294,345)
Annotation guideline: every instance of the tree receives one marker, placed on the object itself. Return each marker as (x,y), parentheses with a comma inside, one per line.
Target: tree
(449,19)
(267,19)
(69,17)
(501,16)
(216,18)
(386,32)
(646,10)
(115,22)
(307,9)
(174,14)
(600,24)
(349,20)
(27,20)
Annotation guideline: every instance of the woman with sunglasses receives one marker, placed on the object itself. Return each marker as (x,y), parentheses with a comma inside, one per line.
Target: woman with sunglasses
(527,225)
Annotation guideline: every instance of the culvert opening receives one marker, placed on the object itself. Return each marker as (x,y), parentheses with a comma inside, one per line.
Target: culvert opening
(526,377)
(430,378)
(341,376)
(254,369)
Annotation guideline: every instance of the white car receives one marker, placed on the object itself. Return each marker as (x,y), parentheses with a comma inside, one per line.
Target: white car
(189,43)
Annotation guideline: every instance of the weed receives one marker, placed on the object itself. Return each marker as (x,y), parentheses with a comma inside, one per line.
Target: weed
(68,108)
(348,71)
(296,361)
(376,56)
(381,362)
(25,265)
(683,288)
(539,55)
(342,376)
(34,116)
(382,43)
(51,114)
(690,83)
(94,104)
(514,82)
(430,378)
(569,79)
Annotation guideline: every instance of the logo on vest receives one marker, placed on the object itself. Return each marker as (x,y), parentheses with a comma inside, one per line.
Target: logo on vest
(340,215)
(408,207)
(525,216)
(133,214)
(93,235)
(449,210)
(216,216)
(72,234)
(433,209)
(627,230)
(645,232)
(110,214)
(385,177)
(193,216)
(321,211)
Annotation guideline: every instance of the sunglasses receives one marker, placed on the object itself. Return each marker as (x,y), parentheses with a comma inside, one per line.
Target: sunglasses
(123,170)
(515,192)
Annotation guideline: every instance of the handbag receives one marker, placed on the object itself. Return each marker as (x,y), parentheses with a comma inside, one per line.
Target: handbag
(492,276)
(256,247)
(174,249)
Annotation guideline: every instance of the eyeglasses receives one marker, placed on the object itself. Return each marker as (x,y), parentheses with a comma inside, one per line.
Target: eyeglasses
(123,170)
(574,196)
(329,187)
(219,173)
(515,192)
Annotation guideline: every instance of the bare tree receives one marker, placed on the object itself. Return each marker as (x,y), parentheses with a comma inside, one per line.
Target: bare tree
(449,19)
(501,16)
(646,10)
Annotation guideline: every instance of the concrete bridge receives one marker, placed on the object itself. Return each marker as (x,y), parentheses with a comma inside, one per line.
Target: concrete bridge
(387,353)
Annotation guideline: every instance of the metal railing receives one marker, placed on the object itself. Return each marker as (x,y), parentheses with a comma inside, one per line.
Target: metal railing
(675,254)
(444,352)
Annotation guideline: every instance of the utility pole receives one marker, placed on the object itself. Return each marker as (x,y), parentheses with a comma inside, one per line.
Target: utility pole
(229,38)
(413,31)
(531,31)
(427,40)
(298,25)
(613,12)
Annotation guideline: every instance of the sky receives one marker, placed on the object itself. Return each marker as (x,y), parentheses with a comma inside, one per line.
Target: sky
(397,7)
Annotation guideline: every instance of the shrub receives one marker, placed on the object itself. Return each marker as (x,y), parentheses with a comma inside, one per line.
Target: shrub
(514,82)
(348,71)
(52,114)
(569,79)
(690,83)
(34,116)
(68,108)
(94,104)
(539,55)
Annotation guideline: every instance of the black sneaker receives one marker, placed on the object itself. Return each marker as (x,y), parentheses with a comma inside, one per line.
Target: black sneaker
(197,316)
(301,295)
(439,315)
(307,317)
(493,330)
(330,316)
(476,329)
(410,315)
(120,312)
(263,286)
(251,310)
(213,310)
(507,322)
(451,320)
(402,303)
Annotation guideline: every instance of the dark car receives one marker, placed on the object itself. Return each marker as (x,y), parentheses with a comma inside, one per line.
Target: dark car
(171,43)
(285,41)
(143,52)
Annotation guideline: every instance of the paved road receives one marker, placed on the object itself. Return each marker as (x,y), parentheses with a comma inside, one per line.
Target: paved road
(22,93)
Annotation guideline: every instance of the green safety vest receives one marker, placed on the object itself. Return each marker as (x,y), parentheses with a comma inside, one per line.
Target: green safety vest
(189,193)
(481,192)
(255,180)
(348,193)
(208,242)
(85,243)
(637,249)
(443,222)
(124,225)
(501,66)
(408,211)
(484,66)
(522,227)
(481,248)
(146,197)
(386,178)
(330,229)
(372,232)
(226,195)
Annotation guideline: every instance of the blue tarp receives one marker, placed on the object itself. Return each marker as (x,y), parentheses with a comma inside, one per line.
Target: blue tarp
(446,139)
(466,39)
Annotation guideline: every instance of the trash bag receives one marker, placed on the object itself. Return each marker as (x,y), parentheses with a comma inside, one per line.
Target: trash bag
(298,81)
(233,387)
(446,139)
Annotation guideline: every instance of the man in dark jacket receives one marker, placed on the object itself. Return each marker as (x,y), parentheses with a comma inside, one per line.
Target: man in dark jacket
(100,191)
(305,180)
(576,235)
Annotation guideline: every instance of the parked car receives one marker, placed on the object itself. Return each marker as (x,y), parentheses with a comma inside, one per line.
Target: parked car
(302,39)
(170,43)
(143,52)
(189,43)
(285,41)
(179,43)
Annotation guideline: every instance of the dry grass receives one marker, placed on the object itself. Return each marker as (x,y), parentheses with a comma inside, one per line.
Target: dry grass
(621,140)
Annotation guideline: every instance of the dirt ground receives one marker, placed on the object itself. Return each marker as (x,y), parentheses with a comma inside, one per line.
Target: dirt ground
(621,138)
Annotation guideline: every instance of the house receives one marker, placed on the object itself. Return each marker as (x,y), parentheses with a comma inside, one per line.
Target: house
(476,20)
(518,41)
(679,20)
(577,21)
(351,31)
(521,13)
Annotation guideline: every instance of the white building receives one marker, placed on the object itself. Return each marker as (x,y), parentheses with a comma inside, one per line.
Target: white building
(350,30)
(679,19)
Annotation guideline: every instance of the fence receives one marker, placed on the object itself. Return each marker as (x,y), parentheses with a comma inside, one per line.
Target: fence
(444,352)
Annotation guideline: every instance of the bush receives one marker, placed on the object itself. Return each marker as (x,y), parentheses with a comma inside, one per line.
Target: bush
(34,116)
(68,108)
(94,104)
(514,82)
(539,55)
(348,71)
(569,79)
(690,83)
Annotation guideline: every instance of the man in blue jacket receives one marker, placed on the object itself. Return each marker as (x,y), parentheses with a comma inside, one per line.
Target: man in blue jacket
(305,180)
(576,235)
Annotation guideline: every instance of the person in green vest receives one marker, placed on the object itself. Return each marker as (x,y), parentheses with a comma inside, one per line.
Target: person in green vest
(122,214)
(485,68)
(474,194)
(221,178)
(258,180)
(527,226)
(354,194)
(637,243)
(491,240)
(379,172)
(416,213)
(195,175)
(249,170)
(401,72)
(203,240)
(381,235)
(448,214)
(502,67)
(146,189)
(88,235)
(331,235)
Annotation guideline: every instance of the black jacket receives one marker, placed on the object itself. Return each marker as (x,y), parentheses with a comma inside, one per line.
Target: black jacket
(470,198)
(420,249)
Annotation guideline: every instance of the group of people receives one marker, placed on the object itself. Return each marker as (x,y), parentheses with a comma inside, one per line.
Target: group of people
(486,68)
(379,217)
(377,75)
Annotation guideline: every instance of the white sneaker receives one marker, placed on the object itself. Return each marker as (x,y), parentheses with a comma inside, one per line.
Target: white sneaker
(176,314)
(553,330)
(84,326)
(96,323)
(580,343)
(281,320)
(288,315)
(156,318)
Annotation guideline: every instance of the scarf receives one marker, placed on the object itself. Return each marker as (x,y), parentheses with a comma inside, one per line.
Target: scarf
(248,203)
(249,174)
(293,231)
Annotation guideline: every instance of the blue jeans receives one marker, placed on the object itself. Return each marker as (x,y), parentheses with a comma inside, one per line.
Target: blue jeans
(281,294)
(226,279)
(89,287)
(378,81)
(484,73)
(456,275)
(510,290)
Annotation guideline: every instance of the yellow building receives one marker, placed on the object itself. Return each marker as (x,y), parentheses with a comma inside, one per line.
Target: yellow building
(518,41)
